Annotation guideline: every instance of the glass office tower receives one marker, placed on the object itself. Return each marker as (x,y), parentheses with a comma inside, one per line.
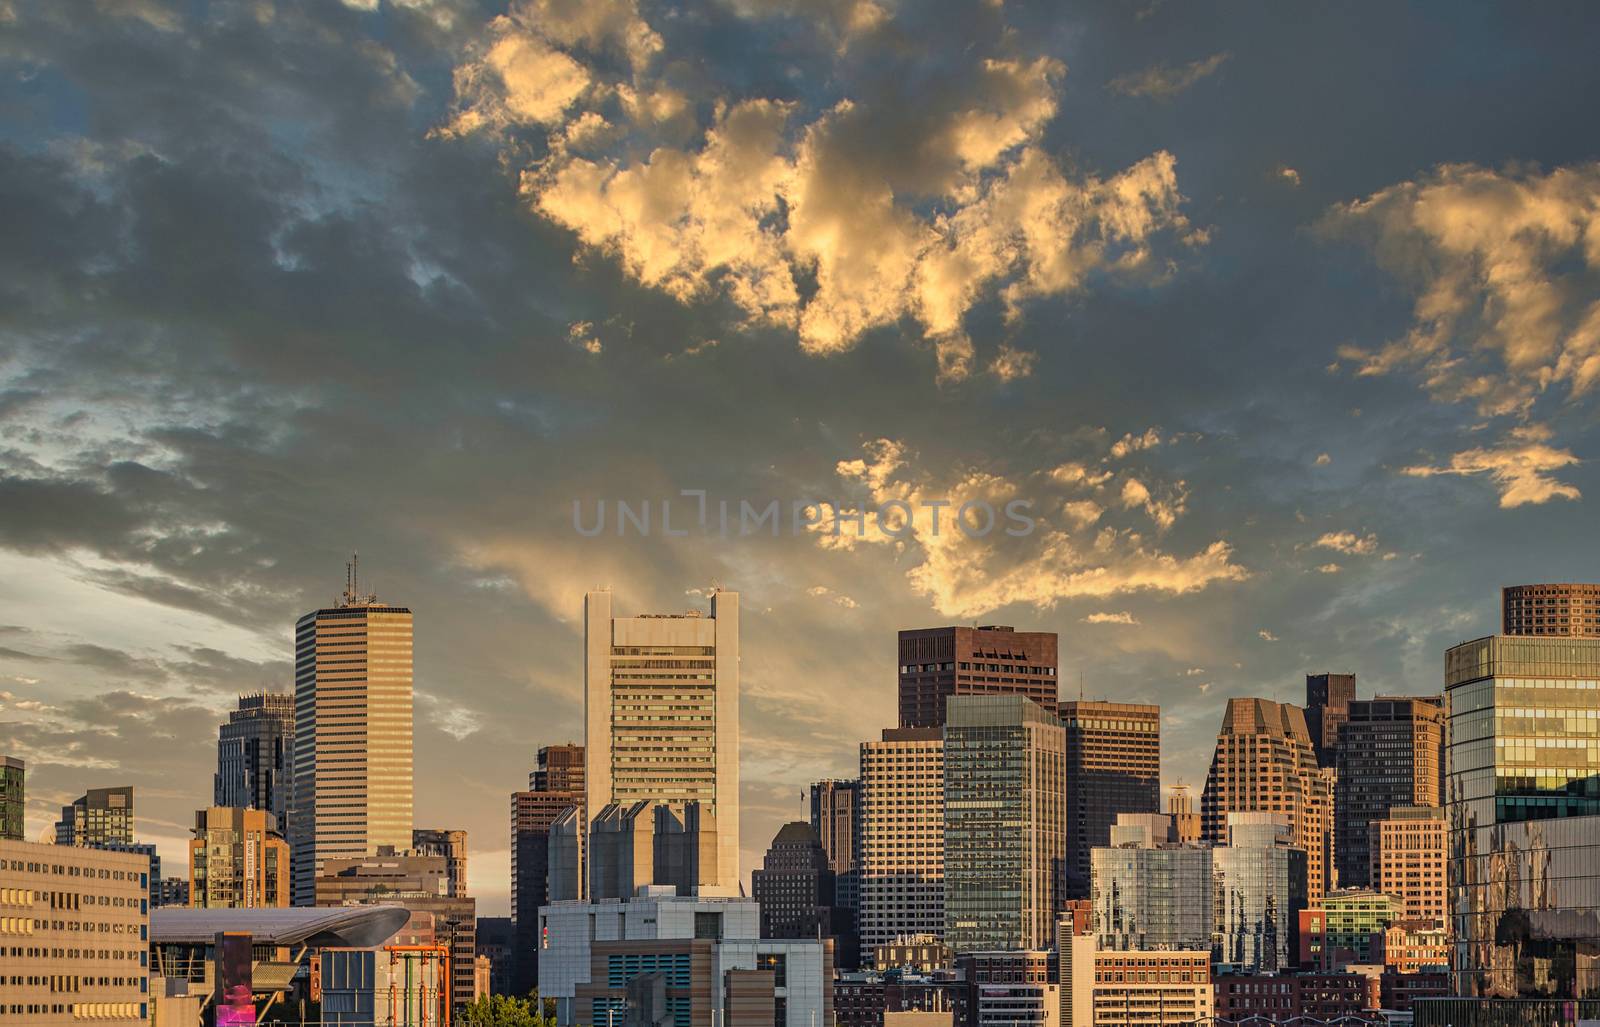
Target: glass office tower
(1523,793)
(1005,822)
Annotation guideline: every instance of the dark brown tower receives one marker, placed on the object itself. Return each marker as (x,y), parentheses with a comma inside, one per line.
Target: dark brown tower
(936,663)
(555,787)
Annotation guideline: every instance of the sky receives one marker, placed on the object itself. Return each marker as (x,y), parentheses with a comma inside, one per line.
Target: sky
(1282,322)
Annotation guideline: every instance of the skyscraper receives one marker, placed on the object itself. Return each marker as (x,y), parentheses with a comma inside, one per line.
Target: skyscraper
(1113,766)
(836,815)
(902,836)
(661,713)
(237,860)
(255,754)
(1005,824)
(1328,699)
(1566,610)
(835,806)
(13,799)
(936,663)
(795,889)
(555,786)
(1523,799)
(1264,762)
(99,817)
(353,734)
(1391,753)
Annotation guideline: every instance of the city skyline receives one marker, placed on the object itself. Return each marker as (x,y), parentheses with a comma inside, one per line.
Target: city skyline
(328,290)
(490,883)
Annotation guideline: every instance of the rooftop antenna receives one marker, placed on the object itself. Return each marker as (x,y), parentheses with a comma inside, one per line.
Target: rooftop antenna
(352,584)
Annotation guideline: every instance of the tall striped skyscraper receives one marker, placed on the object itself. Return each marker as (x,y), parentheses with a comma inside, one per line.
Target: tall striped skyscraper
(352,734)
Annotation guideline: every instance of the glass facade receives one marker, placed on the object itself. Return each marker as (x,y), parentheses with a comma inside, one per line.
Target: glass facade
(1004,823)
(1261,888)
(1152,898)
(12,804)
(1524,806)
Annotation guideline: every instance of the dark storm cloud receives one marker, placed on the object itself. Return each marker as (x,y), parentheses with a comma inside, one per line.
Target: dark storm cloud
(258,311)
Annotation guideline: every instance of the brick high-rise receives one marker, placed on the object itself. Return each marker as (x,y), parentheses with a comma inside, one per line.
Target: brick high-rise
(1391,753)
(237,860)
(936,663)
(1113,766)
(1409,848)
(1564,610)
(554,787)
(1264,762)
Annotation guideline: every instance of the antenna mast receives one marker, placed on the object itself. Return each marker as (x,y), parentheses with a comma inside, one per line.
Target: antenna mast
(352,585)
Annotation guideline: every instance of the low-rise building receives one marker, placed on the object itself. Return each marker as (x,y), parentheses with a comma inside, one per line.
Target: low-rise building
(393,986)
(924,952)
(868,998)
(286,943)
(1150,989)
(591,951)
(73,926)
(1398,991)
(1291,994)
(1011,988)
(1411,946)
(422,884)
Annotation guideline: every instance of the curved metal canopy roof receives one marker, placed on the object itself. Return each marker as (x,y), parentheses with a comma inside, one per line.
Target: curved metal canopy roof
(359,927)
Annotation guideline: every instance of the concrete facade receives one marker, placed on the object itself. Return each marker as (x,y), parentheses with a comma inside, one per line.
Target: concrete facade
(661,713)
(73,936)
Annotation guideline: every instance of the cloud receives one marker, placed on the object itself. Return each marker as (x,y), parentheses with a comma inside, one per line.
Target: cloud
(1289,175)
(1505,267)
(1122,617)
(1010,364)
(1266,636)
(1162,82)
(581,334)
(1323,460)
(1518,467)
(837,598)
(1329,568)
(1163,512)
(1131,443)
(1347,542)
(967,576)
(818,220)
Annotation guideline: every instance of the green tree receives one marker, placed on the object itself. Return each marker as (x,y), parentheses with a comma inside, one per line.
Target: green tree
(506,1011)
